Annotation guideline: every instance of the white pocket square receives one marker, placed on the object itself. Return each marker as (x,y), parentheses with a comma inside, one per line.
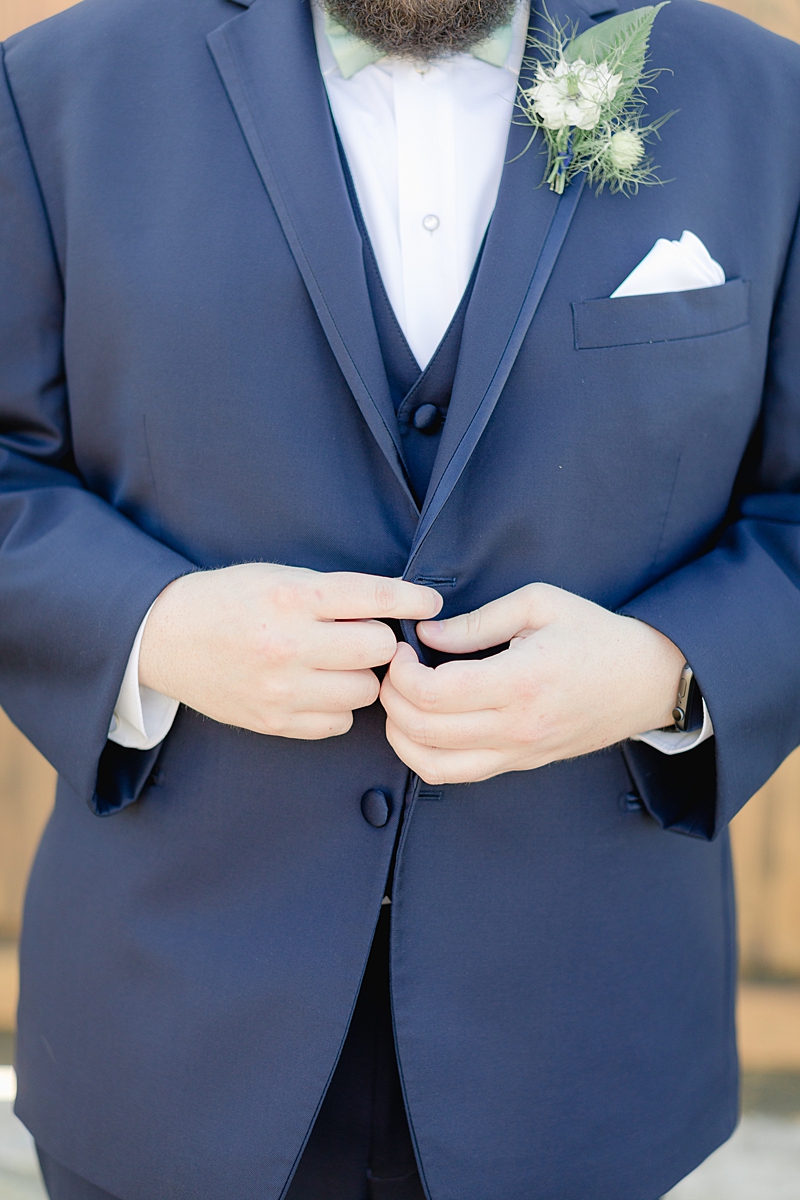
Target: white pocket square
(673,267)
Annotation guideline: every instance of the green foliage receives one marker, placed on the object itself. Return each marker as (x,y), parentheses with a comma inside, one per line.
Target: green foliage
(562,63)
(621,41)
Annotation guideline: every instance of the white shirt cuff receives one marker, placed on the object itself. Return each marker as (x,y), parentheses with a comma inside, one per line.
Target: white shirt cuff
(672,741)
(142,718)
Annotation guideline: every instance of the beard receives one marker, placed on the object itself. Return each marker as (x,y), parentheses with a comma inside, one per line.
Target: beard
(421,30)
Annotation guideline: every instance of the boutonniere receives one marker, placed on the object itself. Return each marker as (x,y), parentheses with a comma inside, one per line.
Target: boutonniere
(588,100)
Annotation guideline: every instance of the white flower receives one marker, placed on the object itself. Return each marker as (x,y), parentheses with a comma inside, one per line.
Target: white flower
(625,149)
(572,93)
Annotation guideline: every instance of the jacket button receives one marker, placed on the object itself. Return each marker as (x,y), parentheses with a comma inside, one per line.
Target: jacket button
(376,807)
(427,418)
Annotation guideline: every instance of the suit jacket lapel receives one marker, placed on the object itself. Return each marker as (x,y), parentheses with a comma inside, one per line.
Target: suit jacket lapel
(526,219)
(267,59)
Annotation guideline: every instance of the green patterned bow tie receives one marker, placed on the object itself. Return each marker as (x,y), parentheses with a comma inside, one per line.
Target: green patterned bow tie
(353,55)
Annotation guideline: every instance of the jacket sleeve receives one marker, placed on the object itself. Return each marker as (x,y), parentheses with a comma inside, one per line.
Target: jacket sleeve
(735,613)
(76,577)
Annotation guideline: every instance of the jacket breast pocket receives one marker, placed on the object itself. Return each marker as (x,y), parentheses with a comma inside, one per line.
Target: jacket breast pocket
(664,317)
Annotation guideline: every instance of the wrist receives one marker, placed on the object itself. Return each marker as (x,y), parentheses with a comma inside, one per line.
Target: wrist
(661,678)
(159,636)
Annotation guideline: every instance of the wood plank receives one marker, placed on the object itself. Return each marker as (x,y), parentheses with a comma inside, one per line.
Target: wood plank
(18,14)
(9,985)
(27,789)
(781,16)
(768,1019)
(766,849)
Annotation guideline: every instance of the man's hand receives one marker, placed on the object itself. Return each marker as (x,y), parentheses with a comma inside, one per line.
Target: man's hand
(279,650)
(575,678)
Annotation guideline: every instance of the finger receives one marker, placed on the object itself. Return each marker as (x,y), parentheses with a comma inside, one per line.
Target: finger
(311,726)
(482,730)
(343,691)
(494,623)
(437,767)
(344,595)
(350,645)
(331,691)
(456,687)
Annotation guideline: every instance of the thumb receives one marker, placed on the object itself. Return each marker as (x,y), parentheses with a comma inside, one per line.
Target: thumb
(492,625)
(405,654)
(404,664)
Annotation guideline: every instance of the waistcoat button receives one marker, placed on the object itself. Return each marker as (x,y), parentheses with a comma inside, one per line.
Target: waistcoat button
(376,807)
(427,418)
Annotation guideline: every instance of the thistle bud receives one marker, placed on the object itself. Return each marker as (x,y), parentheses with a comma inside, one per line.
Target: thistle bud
(625,149)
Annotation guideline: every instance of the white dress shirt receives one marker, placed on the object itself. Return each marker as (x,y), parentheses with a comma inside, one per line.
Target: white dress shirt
(426,146)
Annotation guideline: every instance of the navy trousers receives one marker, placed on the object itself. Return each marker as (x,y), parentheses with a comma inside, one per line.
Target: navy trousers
(360,1147)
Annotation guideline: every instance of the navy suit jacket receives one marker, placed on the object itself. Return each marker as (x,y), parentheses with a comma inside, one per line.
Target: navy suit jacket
(190,377)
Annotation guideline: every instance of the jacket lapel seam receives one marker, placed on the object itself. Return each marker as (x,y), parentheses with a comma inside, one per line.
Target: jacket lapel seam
(555,237)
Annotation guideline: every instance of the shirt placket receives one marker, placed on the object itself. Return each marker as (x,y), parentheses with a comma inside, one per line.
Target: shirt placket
(426,173)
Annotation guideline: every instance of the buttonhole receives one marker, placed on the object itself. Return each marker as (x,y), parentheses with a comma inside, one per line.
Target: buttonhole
(436,580)
(428,794)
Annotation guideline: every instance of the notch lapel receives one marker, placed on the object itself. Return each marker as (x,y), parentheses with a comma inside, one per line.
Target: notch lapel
(525,235)
(267,59)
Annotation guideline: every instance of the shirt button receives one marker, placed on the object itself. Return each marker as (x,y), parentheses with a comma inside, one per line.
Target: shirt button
(427,418)
(430,223)
(376,807)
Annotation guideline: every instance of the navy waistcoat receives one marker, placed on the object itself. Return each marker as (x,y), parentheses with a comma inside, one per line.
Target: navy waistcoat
(420,397)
